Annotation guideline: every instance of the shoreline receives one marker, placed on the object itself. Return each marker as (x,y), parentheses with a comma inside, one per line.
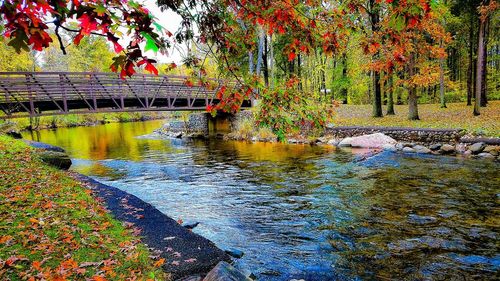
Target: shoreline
(186,254)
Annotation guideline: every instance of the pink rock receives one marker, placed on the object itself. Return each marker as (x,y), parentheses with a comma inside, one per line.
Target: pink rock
(377,140)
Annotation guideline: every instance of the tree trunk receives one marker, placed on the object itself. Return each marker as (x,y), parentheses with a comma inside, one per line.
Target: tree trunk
(470,72)
(377,94)
(265,60)
(271,62)
(479,67)
(441,81)
(484,86)
(412,93)
(344,90)
(390,101)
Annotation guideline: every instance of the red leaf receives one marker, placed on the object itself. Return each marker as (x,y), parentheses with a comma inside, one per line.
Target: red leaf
(291,56)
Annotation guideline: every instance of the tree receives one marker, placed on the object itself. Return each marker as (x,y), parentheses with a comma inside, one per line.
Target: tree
(25,27)
(486,8)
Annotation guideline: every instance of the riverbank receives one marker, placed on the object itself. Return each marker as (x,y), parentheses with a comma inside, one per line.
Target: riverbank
(455,116)
(456,142)
(52,227)
(15,126)
(184,253)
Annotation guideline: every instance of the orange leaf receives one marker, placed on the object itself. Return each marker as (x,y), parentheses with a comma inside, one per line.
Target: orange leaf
(159,263)
(36,265)
(98,278)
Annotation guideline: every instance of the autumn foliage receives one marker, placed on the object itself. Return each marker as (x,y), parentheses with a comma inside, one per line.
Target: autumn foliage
(27,25)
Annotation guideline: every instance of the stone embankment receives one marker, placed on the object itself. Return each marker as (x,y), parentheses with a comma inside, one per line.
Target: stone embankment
(483,148)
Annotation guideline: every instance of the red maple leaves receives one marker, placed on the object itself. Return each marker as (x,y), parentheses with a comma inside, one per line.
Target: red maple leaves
(24,25)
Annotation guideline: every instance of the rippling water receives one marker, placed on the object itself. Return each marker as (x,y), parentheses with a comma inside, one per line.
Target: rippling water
(305,212)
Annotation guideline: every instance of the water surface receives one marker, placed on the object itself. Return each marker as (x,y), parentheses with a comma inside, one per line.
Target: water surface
(308,212)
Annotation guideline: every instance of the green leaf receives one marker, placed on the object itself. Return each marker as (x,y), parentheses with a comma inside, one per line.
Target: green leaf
(150,42)
(158,26)
(19,42)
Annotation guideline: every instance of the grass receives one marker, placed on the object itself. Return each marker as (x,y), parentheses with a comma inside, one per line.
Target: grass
(73,120)
(52,228)
(456,116)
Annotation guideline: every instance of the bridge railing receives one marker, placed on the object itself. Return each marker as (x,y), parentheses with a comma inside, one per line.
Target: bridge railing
(30,91)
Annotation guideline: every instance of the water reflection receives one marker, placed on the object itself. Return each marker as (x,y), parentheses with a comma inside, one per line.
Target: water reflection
(308,212)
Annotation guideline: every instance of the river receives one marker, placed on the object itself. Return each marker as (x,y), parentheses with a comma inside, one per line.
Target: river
(307,212)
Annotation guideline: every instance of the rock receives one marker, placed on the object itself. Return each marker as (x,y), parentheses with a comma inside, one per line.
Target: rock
(447,149)
(408,144)
(225,272)
(191,225)
(421,149)
(333,142)
(57,159)
(293,141)
(377,140)
(235,253)
(408,150)
(486,155)
(477,147)
(467,153)
(399,146)
(416,219)
(14,134)
(45,146)
(493,150)
(345,142)
(435,147)
(390,147)
(322,140)
(177,135)
(461,148)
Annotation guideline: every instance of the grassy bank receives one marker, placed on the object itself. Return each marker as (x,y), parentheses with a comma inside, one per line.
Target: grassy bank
(52,228)
(74,120)
(457,115)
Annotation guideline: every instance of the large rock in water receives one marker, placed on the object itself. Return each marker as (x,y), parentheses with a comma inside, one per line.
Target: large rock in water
(225,272)
(377,140)
(57,159)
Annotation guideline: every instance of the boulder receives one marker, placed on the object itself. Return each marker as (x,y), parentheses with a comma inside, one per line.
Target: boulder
(493,150)
(333,142)
(390,147)
(461,148)
(421,149)
(345,142)
(57,159)
(486,155)
(435,147)
(191,225)
(45,146)
(235,253)
(477,147)
(447,149)
(399,146)
(467,153)
(14,134)
(377,140)
(409,150)
(225,272)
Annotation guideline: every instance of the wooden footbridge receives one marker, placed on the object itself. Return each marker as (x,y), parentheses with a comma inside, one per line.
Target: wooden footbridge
(24,94)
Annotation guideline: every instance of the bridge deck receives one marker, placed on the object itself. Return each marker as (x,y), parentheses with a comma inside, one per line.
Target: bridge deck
(49,93)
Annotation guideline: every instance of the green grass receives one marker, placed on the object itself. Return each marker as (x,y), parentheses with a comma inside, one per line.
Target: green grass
(456,116)
(52,227)
(73,120)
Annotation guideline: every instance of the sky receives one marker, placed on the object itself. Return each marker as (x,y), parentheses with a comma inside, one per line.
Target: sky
(171,22)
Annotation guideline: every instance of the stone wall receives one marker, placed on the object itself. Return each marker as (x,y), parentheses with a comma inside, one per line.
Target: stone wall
(399,134)
(196,124)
